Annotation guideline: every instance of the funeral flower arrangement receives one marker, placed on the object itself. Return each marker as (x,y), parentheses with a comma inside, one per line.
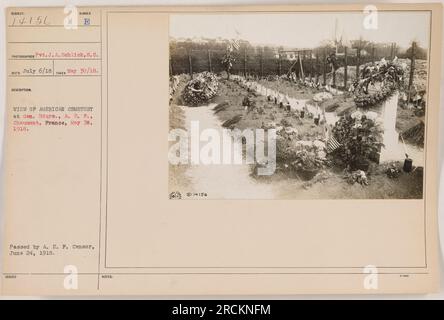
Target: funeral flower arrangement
(357,176)
(360,138)
(174,84)
(305,158)
(378,81)
(200,89)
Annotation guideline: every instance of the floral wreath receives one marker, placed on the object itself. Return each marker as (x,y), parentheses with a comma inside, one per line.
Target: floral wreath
(389,74)
(359,136)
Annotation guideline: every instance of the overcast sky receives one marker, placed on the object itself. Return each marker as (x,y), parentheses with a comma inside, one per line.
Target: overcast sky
(303,29)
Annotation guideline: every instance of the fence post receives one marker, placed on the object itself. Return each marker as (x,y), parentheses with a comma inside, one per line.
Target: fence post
(333,71)
(171,66)
(324,72)
(245,62)
(280,64)
(262,63)
(412,70)
(358,58)
(311,64)
(345,68)
(295,65)
(209,61)
(190,65)
(333,76)
(317,67)
(373,54)
(301,65)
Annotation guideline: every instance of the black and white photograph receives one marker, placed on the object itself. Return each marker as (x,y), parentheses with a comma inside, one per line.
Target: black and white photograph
(229,150)
(309,105)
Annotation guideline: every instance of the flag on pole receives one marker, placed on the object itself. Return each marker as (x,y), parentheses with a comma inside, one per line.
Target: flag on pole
(332,144)
(234,44)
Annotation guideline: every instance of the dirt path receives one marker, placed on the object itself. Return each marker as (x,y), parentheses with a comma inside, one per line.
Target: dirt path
(221,181)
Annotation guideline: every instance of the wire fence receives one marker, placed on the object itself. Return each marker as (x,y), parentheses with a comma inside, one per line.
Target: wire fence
(303,64)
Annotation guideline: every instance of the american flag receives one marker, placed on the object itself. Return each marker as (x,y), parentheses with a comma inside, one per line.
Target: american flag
(332,144)
(233,45)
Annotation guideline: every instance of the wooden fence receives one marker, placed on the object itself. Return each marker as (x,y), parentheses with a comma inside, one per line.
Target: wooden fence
(307,64)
